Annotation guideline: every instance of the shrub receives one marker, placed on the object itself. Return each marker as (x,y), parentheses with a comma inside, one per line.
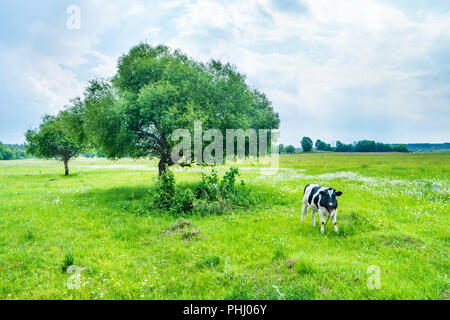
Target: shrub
(211,207)
(167,196)
(228,183)
(182,202)
(214,197)
(244,196)
(208,187)
(164,191)
(218,197)
(226,190)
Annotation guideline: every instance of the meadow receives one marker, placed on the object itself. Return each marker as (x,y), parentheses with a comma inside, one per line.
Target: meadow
(393,215)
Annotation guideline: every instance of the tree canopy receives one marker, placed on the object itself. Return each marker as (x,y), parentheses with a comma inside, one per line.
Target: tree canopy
(156,91)
(53,140)
(307,144)
(323,146)
(290,149)
(12,151)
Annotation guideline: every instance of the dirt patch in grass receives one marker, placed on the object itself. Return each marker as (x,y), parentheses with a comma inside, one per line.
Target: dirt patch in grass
(290,263)
(183,227)
(399,241)
(189,235)
(446,294)
(181,224)
(325,290)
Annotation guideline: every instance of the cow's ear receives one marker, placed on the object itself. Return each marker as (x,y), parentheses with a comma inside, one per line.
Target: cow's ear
(338,194)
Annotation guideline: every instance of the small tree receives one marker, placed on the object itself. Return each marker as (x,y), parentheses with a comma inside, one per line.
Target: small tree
(307,144)
(323,146)
(52,140)
(290,149)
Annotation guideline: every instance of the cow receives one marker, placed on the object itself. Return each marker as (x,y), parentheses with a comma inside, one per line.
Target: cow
(322,200)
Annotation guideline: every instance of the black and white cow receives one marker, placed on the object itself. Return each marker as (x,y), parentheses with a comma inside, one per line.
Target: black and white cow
(322,200)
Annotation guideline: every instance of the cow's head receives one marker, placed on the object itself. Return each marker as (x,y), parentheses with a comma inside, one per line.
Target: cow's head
(328,199)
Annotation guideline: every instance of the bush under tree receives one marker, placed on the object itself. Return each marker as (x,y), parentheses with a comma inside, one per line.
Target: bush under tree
(211,196)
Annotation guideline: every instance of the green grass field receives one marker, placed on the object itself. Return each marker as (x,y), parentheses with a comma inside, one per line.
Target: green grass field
(394,215)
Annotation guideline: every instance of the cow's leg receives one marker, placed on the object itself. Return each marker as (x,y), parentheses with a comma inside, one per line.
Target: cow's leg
(313,215)
(334,221)
(304,211)
(322,221)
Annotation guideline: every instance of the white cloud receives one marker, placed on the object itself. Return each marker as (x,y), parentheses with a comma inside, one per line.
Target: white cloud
(50,86)
(134,10)
(337,46)
(355,60)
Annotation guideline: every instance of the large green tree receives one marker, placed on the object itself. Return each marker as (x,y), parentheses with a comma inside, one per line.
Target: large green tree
(53,140)
(156,91)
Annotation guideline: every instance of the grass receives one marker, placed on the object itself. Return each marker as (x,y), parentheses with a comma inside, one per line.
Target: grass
(393,214)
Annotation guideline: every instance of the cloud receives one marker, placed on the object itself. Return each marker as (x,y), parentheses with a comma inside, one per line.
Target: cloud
(293,6)
(135,9)
(50,85)
(349,62)
(334,70)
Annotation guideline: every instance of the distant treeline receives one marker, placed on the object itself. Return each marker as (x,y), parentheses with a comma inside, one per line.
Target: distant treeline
(427,147)
(368,146)
(360,146)
(17,152)
(12,152)
(92,155)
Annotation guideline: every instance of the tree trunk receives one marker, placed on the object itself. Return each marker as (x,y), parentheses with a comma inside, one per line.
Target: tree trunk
(162,167)
(165,161)
(66,166)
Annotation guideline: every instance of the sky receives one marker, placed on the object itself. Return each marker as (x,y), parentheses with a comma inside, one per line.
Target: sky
(334,70)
